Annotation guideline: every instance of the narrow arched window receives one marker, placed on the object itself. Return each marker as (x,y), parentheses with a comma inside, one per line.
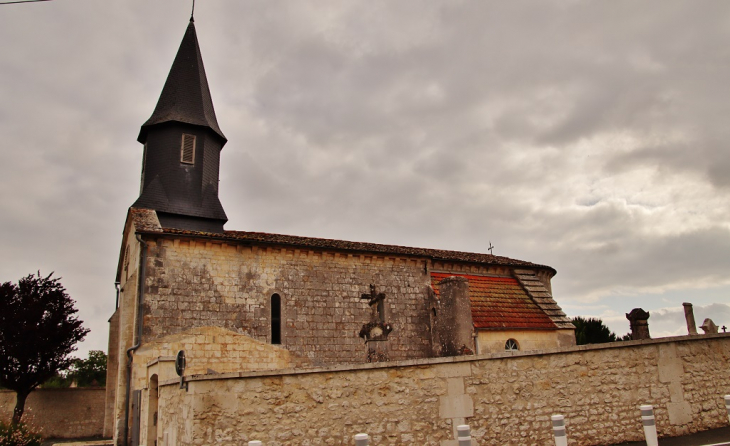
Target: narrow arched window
(276,319)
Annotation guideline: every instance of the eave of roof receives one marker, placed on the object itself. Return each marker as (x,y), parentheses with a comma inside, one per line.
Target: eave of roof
(146,223)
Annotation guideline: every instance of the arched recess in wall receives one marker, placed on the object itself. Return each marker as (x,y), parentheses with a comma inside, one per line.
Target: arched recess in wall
(275,319)
(152,412)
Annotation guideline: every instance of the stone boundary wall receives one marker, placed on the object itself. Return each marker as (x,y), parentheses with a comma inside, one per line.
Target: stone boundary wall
(60,413)
(507,399)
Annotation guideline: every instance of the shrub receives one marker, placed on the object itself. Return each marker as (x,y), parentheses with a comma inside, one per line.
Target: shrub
(18,435)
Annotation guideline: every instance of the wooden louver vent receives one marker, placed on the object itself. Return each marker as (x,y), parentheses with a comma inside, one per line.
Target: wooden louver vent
(187,152)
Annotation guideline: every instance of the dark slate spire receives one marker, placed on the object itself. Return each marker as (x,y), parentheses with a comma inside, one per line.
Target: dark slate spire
(182,143)
(185,97)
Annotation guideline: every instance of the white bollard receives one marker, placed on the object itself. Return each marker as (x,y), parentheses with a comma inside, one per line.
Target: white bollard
(463,434)
(727,406)
(649,422)
(254,443)
(561,438)
(362,440)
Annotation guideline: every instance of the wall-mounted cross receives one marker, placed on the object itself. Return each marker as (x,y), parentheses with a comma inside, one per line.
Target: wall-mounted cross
(375,300)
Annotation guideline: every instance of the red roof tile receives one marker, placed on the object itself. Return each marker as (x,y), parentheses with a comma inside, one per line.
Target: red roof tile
(500,303)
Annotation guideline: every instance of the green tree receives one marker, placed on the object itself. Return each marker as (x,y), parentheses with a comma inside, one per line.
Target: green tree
(591,331)
(91,371)
(58,381)
(38,332)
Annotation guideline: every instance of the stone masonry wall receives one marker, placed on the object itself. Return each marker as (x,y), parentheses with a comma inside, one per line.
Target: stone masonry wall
(507,399)
(60,413)
(192,284)
(214,350)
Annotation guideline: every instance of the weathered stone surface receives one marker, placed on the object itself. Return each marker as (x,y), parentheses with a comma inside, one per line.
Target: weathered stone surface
(60,413)
(689,315)
(708,326)
(453,325)
(189,284)
(598,390)
(639,322)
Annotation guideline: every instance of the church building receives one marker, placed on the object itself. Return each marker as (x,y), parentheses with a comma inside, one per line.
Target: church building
(244,301)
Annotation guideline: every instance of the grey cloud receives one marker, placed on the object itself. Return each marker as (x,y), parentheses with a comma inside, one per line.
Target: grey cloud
(445,125)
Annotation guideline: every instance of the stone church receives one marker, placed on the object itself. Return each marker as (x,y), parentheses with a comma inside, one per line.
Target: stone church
(241,301)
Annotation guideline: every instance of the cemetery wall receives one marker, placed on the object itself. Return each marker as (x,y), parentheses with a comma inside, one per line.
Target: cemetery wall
(506,398)
(60,413)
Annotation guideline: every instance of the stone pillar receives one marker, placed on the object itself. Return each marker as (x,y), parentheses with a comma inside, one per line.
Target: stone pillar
(689,315)
(639,320)
(454,324)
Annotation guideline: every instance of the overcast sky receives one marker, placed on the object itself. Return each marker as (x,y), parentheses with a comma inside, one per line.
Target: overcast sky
(593,137)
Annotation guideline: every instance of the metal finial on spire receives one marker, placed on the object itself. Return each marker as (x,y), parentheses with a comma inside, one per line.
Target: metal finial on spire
(192,13)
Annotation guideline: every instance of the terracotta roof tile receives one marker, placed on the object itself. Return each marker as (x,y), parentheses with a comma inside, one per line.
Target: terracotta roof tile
(500,303)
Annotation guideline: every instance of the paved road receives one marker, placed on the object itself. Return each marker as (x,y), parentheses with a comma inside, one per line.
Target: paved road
(716,437)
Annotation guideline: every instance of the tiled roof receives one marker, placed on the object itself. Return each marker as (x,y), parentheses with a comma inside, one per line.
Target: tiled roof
(263,238)
(542,297)
(500,303)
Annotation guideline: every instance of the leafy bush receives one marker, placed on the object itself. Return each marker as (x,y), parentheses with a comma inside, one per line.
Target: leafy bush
(18,435)
(57,382)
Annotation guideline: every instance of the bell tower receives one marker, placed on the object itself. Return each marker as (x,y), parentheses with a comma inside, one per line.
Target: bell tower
(182,145)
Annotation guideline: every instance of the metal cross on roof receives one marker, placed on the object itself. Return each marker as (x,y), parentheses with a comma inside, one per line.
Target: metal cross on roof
(490,248)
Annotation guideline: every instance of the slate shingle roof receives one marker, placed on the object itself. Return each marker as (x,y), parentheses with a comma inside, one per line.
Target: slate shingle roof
(185,97)
(499,303)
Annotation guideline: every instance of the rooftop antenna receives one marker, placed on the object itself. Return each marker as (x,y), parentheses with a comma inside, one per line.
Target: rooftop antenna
(192,13)
(490,248)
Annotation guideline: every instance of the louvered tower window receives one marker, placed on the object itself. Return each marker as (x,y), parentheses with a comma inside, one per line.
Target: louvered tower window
(187,151)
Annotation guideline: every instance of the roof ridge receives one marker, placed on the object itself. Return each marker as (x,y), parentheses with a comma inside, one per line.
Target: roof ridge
(545,301)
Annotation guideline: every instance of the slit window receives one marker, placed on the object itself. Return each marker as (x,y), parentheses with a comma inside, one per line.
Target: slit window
(276,319)
(144,163)
(187,151)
